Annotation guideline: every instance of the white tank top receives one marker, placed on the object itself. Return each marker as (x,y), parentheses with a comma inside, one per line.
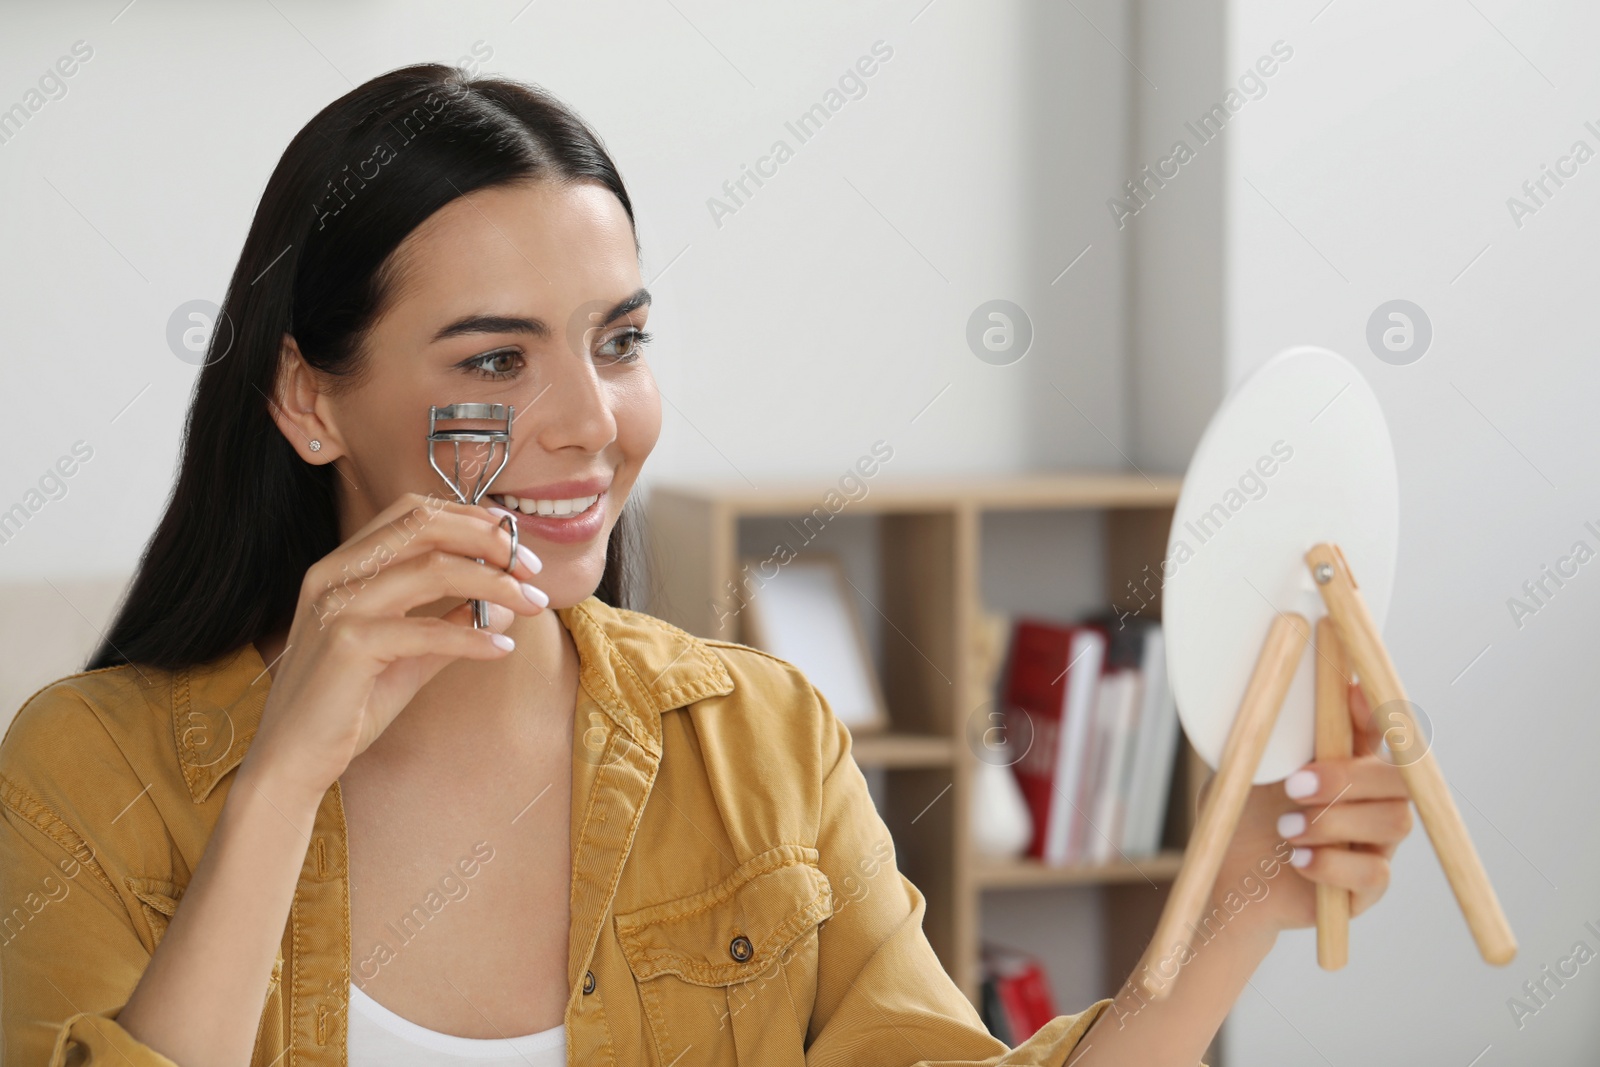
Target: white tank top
(380,1038)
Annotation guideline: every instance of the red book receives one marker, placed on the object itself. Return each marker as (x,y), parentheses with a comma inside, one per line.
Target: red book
(1023,991)
(1052,678)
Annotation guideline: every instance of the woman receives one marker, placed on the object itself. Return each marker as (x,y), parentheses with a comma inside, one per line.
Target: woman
(229,844)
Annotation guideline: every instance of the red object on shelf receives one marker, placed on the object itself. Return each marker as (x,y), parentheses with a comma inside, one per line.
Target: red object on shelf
(1023,990)
(1052,677)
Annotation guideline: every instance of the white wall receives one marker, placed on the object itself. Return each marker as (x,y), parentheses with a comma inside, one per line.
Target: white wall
(1174,229)
(1391,142)
(825,314)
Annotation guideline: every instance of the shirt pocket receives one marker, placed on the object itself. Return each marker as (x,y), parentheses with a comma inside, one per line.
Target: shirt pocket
(158,900)
(728,974)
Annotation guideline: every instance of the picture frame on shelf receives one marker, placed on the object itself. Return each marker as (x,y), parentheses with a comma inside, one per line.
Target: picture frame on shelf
(804,614)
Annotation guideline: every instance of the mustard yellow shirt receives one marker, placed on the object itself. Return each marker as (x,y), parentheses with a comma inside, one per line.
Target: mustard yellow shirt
(735,897)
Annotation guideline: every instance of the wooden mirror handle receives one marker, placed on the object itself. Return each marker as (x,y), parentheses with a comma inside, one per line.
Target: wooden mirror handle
(1219,817)
(1335,740)
(1413,754)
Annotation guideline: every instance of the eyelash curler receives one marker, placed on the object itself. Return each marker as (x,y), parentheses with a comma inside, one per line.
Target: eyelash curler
(495,436)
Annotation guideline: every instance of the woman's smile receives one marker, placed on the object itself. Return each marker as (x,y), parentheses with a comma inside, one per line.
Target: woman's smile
(567,512)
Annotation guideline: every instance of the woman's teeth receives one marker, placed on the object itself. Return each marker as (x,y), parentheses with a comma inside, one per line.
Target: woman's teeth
(558,508)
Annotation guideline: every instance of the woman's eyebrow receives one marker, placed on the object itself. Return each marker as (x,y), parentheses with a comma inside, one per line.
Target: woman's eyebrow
(472,324)
(492,324)
(633,302)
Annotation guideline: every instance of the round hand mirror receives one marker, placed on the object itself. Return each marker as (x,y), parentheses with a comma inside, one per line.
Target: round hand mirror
(1298,453)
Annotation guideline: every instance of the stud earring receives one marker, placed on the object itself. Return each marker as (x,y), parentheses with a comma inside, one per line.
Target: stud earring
(316,446)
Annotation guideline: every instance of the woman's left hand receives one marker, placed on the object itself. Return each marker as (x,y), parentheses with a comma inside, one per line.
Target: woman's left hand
(1334,822)
(1355,813)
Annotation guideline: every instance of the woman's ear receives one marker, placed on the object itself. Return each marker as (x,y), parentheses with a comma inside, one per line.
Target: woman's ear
(300,408)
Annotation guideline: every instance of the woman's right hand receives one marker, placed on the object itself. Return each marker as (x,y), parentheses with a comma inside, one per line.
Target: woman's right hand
(354,659)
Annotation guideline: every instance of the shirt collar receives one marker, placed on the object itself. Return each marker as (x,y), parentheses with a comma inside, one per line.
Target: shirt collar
(634,667)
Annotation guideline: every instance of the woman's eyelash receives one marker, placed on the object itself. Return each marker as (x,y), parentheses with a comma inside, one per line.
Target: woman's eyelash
(478,364)
(640,339)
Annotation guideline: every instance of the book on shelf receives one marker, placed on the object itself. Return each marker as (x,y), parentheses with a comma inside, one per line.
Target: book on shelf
(1155,750)
(1053,678)
(993,1011)
(1016,998)
(1099,770)
(1104,804)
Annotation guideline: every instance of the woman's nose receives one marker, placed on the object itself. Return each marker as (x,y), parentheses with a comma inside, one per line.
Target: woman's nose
(574,409)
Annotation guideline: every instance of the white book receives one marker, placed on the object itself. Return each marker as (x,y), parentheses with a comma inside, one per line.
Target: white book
(1143,754)
(1116,762)
(1157,745)
(1084,801)
(1084,662)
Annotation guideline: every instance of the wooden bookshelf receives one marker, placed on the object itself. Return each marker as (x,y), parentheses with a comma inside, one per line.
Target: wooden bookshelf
(928,556)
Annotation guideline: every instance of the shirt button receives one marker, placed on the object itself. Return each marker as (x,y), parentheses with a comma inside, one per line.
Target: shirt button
(588,982)
(740,948)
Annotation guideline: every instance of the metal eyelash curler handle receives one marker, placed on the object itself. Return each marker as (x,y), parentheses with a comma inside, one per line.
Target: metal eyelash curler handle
(455,438)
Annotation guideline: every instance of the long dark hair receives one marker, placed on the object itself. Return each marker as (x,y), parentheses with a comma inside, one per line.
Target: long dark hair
(247,516)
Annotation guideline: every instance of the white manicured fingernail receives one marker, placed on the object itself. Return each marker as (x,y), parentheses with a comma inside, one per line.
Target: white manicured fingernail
(503,641)
(529,560)
(537,596)
(1300,784)
(1291,824)
(1300,857)
(502,511)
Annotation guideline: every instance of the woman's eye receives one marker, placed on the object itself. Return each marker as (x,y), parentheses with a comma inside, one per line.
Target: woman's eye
(501,364)
(625,347)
